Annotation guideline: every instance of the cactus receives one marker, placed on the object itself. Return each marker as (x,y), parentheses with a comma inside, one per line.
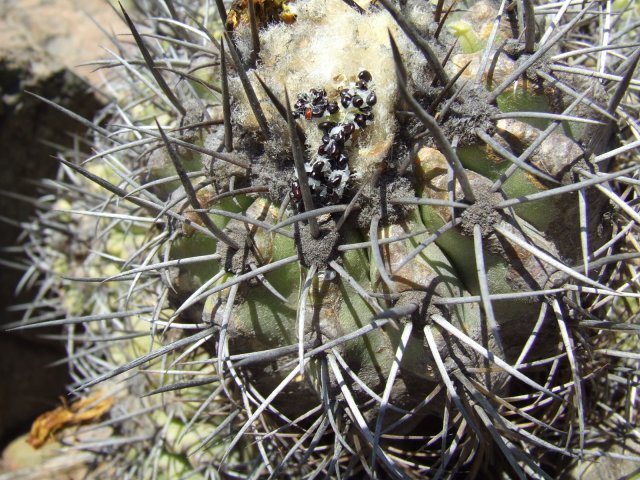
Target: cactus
(343,238)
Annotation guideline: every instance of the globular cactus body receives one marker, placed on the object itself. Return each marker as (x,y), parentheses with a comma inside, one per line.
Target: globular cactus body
(348,243)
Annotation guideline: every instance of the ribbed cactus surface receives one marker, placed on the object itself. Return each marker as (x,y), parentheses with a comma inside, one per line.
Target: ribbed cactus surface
(338,238)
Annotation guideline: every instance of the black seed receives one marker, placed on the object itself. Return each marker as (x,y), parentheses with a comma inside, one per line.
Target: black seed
(331,148)
(365,76)
(317,172)
(345,101)
(333,108)
(338,137)
(322,150)
(326,126)
(360,120)
(348,129)
(357,101)
(295,193)
(326,139)
(372,99)
(360,85)
(342,161)
(336,181)
(318,110)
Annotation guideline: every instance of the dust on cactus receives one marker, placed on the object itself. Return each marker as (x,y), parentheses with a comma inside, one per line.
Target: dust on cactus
(353,239)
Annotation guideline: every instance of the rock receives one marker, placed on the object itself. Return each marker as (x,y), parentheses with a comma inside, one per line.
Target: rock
(63,29)
(39,41)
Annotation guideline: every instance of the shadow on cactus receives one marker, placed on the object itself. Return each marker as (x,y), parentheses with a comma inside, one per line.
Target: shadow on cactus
(354,239)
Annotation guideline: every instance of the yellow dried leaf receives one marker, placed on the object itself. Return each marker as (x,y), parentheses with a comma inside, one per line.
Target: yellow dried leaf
(81,411)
